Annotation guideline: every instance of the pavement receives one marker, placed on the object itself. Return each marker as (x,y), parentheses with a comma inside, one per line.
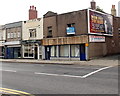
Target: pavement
(101,61)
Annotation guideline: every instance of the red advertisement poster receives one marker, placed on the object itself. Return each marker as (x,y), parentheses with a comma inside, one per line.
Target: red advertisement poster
(100,23)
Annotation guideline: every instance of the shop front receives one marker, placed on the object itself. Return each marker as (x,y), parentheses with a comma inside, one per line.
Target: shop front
(66,48)
(32,49)
(12,50)
(1,51)
(72,52)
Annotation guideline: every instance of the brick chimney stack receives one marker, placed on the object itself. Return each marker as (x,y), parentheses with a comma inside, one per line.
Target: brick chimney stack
(32,13)
(113,10)
(93,5)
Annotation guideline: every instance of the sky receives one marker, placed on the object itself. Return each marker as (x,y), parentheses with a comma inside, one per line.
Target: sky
(17,10)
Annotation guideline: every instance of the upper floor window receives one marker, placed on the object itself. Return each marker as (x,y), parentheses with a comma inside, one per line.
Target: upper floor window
(12,35)
(1,36)
(119,31)
(8,35)
(71,25)
(18,34)
(32,32)
(49,31)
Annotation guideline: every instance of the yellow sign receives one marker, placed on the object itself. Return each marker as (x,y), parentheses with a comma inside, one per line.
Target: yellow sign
(86,44)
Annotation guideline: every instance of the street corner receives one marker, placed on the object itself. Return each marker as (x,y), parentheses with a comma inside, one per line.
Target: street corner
(12,92)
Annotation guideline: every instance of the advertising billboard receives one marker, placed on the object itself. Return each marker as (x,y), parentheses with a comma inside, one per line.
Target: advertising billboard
(100,23)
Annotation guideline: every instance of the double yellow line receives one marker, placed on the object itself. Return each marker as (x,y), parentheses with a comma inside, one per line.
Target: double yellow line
(11,91)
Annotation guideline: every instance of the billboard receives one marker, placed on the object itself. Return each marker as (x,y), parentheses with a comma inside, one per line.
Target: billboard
(100,23)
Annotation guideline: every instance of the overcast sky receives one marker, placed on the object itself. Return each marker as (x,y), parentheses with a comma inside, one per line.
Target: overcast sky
(17,10)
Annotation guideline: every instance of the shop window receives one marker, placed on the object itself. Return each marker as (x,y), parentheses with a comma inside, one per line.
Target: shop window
(32,32)
(28,51)
(64,51)
(53,51)
(75,50)
(49,31)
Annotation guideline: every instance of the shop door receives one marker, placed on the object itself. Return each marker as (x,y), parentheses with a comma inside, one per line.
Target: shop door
(36,52)
(9,53)
(82,52)
(47,53)
(0,52)
(17,52)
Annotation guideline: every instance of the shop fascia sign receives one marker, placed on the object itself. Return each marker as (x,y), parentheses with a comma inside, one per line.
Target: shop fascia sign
(12,43)
(93,38)
(31,41)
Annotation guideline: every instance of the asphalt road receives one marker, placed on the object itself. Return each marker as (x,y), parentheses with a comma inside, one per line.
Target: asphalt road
(59,79)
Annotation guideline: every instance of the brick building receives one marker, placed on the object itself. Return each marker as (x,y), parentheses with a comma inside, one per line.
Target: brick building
(13,40)
(79,35)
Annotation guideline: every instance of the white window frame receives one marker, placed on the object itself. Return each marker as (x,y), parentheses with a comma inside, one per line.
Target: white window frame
(18,34)
(8,35)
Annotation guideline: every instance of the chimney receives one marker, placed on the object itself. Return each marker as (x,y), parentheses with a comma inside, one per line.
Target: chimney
(113,10)
(93,5)
(32,13)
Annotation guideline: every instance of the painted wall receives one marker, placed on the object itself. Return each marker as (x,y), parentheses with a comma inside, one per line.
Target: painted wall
(2,34)
(33,24)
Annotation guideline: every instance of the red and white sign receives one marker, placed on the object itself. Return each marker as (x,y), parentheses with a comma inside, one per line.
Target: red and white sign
(93,38)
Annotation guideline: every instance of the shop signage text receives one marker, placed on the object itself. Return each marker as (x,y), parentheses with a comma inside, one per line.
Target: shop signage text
(96,38)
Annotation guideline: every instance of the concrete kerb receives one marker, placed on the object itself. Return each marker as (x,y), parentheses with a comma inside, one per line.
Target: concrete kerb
(96,62)
(39,62)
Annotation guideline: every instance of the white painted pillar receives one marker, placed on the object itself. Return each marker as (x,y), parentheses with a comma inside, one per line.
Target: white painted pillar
(38,51)
(22,51)
(57,49)
(43,52)
(69,52)
(86,51)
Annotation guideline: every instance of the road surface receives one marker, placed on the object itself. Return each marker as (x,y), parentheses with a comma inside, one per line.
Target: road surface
(59,79)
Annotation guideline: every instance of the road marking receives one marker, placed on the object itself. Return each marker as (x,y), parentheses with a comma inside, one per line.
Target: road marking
(91,73)
(58,75)
(74,76)
(8,92)
(11,91)
(10,70)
